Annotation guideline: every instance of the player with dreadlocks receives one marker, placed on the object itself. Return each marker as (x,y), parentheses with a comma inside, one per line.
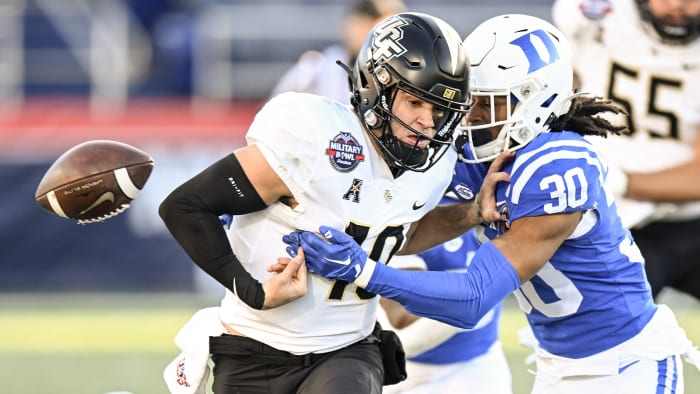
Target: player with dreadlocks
(559,244)
(581,117)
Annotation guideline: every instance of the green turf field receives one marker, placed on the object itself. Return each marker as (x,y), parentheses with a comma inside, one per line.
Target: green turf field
(95,344)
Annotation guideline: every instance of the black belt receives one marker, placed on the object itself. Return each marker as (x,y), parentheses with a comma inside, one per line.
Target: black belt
(256,351)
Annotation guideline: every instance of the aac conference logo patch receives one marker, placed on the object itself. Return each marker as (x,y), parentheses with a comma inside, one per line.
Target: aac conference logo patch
(344,152)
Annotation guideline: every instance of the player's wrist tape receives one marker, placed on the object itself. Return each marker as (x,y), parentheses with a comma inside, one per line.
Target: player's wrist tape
(366,274)
(477,206)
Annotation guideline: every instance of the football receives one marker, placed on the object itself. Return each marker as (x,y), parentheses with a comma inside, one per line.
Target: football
(94,181)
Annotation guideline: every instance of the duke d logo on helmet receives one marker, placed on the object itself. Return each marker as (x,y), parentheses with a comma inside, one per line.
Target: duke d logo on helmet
(538,48)
(387,40)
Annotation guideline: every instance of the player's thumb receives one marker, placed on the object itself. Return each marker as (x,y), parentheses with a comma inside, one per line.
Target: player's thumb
(296,266)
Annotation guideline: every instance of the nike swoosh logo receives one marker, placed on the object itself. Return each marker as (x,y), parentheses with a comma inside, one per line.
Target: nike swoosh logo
(106,196)
(357,270)
(343,262)
(622,369)
(417,206)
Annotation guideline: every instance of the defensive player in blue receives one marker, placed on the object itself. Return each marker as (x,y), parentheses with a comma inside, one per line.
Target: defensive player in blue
(441,358)
(559,245)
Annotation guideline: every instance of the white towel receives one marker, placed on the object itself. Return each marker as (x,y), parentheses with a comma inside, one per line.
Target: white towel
(188,373)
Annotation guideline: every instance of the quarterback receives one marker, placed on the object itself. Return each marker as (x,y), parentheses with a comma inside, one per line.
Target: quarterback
(371,168)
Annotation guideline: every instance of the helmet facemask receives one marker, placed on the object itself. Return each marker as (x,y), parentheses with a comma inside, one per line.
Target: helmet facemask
(398,153)
(515,128)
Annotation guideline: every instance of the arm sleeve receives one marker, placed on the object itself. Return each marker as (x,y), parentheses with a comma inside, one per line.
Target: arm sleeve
(191,214)
(459,299)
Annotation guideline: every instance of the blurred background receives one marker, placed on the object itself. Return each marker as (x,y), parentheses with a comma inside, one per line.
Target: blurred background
(94,309)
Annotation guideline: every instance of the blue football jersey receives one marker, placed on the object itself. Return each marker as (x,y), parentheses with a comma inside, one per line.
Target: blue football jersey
(455,255)
(593,293)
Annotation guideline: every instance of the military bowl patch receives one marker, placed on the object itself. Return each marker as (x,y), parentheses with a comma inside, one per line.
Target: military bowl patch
(344,152)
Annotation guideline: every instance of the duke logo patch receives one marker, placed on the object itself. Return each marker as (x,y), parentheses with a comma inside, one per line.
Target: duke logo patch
(344,152)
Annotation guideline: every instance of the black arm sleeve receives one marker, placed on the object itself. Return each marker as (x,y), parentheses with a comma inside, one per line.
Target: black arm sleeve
(191,214)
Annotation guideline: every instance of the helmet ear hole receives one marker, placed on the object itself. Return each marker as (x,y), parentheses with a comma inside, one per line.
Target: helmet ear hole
(523,135)
(383,76)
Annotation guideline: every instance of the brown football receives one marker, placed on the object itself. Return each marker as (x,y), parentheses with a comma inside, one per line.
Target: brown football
(94,181)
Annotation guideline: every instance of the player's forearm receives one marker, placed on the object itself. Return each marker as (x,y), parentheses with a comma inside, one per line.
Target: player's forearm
(443,223)
(191,214)
(459,299)
(425,334)
(671,185)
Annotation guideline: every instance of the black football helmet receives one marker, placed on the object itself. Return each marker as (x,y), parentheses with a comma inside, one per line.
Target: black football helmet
(423,56)
(670,33)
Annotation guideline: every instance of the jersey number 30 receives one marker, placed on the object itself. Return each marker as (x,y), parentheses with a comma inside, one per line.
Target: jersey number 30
(568,190)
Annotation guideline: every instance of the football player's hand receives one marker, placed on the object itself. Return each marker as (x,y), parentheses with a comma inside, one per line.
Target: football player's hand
(288,284)
(485,200)
(333,254)
(595,9)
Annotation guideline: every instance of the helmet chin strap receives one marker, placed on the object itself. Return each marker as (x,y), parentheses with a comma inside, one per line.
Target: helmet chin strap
(481,137)
(398,155)
(408,155)
(381,142)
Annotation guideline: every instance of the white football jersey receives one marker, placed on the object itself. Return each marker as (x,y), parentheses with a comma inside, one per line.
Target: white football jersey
(319,149)
(659,84)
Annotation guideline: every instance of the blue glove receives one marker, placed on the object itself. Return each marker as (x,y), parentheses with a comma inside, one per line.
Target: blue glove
(226,220)
(334,254)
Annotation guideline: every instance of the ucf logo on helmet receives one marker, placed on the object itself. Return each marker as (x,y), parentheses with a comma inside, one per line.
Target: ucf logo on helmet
(387,40)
